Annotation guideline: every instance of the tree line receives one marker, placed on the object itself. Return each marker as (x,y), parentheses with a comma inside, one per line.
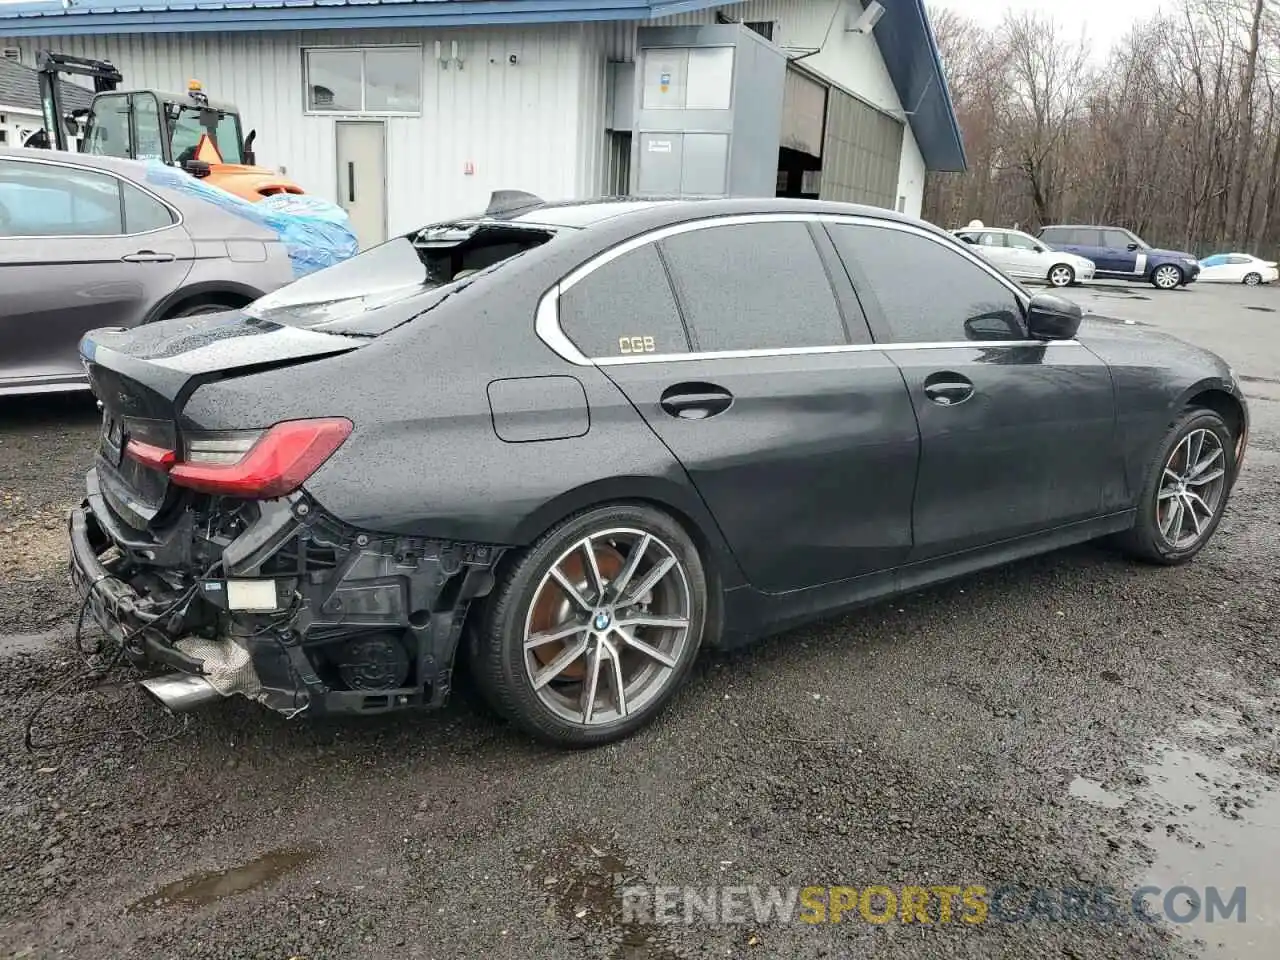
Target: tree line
(1173,133)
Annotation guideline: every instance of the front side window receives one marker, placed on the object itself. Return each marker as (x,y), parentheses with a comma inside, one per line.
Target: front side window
(623,308)
(374,80)
(1018,242)
(753,286)
(47,200)
(1116,239)
(108,133)
(926,292)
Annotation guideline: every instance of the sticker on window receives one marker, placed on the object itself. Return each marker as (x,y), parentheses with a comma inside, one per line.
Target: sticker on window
(636,345)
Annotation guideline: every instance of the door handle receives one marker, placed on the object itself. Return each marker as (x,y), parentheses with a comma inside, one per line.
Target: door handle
(695,401)
(148,256)
(351,182)
(948,388)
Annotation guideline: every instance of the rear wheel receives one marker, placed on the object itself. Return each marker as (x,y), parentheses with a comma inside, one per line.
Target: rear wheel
(592,630)
(1061,275)
(1252,279)
(1186,490)
(1167,277)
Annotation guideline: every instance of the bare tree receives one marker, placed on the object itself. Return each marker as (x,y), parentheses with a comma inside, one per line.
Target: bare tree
(1175,132)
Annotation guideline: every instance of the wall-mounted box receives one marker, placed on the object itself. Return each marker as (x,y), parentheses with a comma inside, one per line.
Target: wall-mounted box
(707,116)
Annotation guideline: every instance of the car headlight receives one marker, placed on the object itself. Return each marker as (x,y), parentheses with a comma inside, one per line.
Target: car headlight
(1191,261)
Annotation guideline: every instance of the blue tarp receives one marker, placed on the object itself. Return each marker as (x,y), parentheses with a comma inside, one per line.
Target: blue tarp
(316,232)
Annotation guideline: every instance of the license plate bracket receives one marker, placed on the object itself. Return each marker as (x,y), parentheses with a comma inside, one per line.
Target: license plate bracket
(112,439)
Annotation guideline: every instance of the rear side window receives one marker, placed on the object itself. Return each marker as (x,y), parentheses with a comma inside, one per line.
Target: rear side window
(49,200)
(143,212)
(753,286)
(624,307)
(926,292)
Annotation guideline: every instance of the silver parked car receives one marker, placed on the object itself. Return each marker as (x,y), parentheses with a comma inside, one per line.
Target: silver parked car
(1023,257)
(88,242)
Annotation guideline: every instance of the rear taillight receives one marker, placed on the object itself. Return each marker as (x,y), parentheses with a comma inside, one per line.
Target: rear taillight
(149,455)
(259,465)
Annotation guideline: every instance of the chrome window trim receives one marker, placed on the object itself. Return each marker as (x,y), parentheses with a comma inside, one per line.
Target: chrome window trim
(547,317)
(843,348)
(88,168)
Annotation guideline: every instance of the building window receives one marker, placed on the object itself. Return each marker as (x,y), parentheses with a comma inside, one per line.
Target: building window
(363,80)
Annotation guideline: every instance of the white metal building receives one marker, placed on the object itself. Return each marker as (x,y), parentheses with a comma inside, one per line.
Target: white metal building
(407,111)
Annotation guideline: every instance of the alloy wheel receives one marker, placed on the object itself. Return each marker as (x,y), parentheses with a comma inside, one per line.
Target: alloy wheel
(1191,489)
(1167,277)
(1061,276)
(607,627)
(1252,280)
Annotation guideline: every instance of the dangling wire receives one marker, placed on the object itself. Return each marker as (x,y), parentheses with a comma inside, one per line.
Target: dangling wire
(97,674)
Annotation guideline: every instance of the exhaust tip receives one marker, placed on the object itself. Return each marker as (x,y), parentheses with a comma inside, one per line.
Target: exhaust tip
(179,692)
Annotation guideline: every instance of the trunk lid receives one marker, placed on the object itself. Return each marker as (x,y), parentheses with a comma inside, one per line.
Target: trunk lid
(143,377)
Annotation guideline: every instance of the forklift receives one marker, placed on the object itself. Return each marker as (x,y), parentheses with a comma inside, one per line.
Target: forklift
(188,131)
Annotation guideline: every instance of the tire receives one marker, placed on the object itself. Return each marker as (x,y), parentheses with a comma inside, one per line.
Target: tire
(1154,537)
(1252,279)
(1061,275)
(1167,276)
(529,600)
(197,309)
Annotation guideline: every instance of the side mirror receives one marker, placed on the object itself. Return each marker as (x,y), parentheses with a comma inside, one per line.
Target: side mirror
(1053,318)
(1132,246)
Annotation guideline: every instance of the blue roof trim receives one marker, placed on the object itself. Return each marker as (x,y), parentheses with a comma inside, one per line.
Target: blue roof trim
(911,55)
(903,34)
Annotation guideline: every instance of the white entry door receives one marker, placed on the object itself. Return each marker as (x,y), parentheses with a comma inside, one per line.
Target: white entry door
(362,178)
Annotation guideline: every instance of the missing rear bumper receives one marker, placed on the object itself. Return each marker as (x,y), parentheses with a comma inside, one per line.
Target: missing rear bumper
(300,612)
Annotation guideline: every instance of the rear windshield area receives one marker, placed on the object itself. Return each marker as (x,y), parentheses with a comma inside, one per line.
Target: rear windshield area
(389,284)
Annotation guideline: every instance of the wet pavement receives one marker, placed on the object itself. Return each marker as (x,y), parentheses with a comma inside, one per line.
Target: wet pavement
(1064,731)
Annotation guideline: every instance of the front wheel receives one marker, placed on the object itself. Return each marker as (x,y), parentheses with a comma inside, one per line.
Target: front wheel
(1252,279)
(1186,490)
(593,628)
(1061,275)
(1167,277)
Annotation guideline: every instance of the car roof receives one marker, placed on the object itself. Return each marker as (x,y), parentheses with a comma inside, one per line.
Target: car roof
(585,214)
(133,169)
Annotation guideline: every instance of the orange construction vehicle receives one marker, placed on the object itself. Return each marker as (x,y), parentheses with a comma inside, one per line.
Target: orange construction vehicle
(190,131)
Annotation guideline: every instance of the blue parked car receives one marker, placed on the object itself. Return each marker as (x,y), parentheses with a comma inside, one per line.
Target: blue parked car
(1122,255)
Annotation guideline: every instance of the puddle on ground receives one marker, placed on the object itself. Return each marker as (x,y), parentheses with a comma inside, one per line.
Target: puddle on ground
(204,888)
(1218,826)
(1091,791)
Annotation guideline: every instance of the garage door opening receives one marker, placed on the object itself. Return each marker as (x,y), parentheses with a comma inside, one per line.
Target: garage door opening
(836,147)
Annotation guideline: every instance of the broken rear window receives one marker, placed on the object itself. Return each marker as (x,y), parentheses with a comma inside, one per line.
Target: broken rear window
(403,273)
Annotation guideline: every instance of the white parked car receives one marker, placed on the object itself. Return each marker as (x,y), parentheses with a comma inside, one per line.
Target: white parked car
(1023,256)
(1238,268)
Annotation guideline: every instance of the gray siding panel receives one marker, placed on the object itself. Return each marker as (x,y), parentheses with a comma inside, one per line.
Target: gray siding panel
(862,151)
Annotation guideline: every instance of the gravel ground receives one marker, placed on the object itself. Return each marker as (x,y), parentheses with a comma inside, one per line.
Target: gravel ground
(1070,721)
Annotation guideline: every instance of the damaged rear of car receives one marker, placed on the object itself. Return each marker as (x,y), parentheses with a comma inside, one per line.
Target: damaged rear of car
(201,546)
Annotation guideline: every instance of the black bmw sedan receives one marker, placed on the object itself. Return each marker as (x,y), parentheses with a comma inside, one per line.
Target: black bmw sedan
(573,444)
